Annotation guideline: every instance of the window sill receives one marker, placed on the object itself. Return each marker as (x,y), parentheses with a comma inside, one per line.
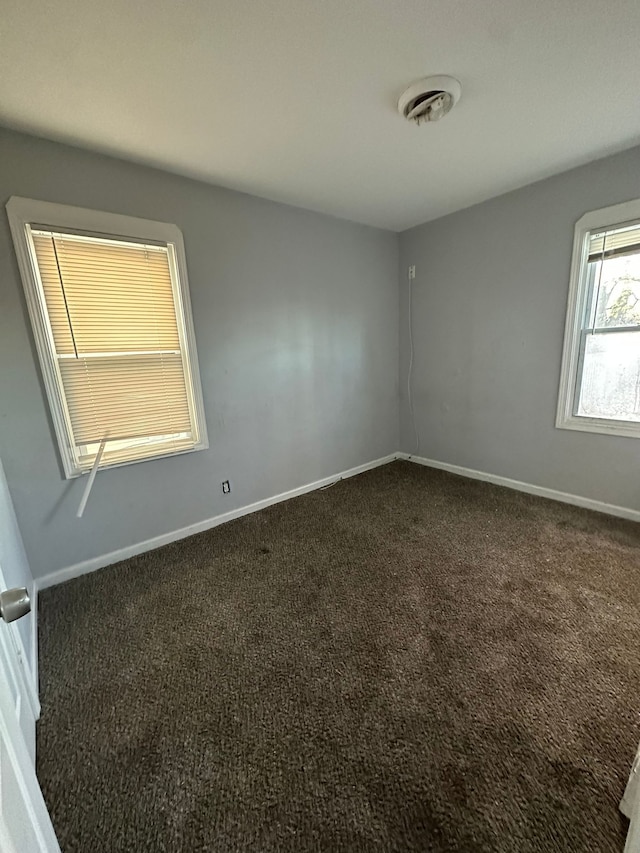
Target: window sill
(77,471)
(626,429)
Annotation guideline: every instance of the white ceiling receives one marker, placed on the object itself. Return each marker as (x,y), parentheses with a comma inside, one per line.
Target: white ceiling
(295,100)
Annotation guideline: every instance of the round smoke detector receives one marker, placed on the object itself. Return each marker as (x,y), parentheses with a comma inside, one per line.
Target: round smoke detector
(429,99)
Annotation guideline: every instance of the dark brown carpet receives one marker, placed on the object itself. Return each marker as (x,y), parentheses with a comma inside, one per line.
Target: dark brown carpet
(407,661)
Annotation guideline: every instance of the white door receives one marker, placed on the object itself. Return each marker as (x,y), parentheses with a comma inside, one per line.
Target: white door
(25,826)
(630,806)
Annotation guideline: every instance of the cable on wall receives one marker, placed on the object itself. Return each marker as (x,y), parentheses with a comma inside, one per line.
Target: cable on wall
(410,371)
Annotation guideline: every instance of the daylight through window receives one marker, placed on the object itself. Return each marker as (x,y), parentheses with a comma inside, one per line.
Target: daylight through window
(601,376)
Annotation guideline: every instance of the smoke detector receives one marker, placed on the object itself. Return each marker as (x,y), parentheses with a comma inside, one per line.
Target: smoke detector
(429,99)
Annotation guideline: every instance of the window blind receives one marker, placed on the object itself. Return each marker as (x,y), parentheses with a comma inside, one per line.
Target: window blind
(614,243)
(114,323)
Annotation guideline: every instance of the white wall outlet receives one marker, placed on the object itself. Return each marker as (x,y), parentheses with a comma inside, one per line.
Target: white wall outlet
(412,272)
(226,487)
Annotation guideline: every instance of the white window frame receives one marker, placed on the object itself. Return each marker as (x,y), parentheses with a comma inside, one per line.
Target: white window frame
(23,212)
(616,216)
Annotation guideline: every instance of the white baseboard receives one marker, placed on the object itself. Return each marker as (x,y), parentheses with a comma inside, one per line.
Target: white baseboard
(65,574)
(529,488)
(103,560)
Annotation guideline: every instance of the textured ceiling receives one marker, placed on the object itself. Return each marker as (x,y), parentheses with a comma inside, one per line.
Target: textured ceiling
(295,100)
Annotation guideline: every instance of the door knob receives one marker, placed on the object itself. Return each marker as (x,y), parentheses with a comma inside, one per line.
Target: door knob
(14,603)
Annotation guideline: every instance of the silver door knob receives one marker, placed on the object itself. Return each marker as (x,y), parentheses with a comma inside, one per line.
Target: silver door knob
(14,603)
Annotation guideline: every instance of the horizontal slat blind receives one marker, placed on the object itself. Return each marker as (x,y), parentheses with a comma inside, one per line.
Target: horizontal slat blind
(113,319)
(126,396)
(614,243)
(118,298)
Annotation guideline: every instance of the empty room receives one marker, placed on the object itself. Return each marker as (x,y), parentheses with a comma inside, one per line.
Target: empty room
(319,426)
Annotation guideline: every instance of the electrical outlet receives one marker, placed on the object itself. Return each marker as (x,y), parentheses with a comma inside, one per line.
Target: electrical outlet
(226,487)
(412,272)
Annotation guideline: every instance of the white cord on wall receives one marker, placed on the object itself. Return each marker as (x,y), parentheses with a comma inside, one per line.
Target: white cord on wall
(410,371)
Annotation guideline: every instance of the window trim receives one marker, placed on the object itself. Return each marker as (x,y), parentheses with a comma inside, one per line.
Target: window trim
(22,212)
(617,215)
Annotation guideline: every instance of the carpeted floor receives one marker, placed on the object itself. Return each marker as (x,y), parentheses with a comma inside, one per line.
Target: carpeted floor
(407,661)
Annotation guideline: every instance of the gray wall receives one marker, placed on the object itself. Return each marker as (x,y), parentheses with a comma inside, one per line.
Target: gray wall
(296,319)
(489,309)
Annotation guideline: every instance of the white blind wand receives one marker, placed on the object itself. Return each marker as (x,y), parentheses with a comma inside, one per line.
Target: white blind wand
(92,476)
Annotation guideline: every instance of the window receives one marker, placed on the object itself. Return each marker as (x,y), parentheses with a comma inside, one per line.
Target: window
(109,305)
(600,381)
